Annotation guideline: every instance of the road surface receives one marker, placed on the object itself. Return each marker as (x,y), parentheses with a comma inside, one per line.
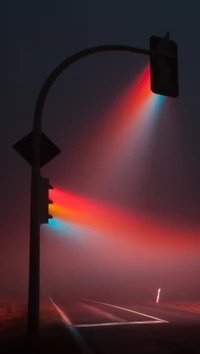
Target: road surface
(101,327)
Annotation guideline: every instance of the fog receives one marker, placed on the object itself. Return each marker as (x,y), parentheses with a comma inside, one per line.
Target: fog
(125,263)
(126,200)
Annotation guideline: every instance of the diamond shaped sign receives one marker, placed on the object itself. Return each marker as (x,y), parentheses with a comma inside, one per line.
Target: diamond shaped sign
(48,150)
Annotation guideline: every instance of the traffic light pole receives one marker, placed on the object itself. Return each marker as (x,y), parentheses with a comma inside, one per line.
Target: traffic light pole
(34,260)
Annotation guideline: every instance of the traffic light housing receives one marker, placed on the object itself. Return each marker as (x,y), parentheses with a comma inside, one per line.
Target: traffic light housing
(44,200)
(164,68)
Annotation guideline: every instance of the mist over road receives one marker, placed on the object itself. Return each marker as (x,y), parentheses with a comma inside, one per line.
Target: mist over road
(142,328)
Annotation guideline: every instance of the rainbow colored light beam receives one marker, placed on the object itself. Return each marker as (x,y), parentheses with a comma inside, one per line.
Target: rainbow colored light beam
(127,125)
(82,217)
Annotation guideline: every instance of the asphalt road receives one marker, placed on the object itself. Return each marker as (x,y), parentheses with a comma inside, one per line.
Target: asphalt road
(100,327)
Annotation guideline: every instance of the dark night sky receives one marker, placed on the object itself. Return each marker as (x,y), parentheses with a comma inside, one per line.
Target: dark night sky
(35,37)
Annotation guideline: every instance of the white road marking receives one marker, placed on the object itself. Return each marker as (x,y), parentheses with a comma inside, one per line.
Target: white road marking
(62,314)
(85,349)
(128,310)
(106,324)
(80,340)
(104,313)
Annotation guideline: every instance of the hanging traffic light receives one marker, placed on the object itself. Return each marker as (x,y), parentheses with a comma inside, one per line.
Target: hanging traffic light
(44,200)
(164,68)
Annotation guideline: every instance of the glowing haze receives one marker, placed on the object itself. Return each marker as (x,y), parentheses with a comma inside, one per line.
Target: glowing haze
(104,241)
(103,249)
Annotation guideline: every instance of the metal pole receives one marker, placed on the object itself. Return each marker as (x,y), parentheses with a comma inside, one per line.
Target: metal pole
(34,255)
(34,261)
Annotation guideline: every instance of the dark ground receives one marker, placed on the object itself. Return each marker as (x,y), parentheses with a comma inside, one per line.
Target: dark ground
(180,335)
(53,338)
(147,339)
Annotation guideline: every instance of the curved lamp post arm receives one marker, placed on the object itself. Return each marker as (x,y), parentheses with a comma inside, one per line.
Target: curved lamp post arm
(69,61)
